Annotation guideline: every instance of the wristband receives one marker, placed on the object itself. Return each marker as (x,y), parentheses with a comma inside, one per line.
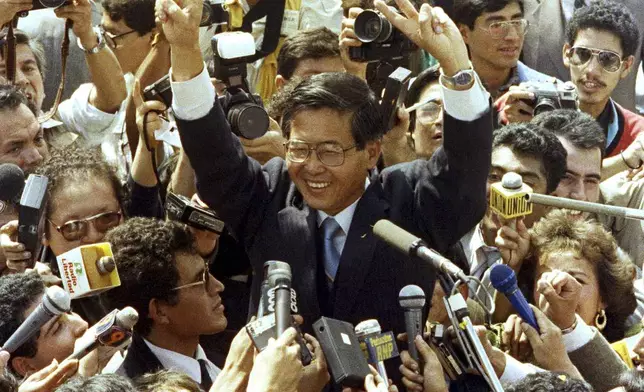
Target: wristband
(99,45)
(568,330)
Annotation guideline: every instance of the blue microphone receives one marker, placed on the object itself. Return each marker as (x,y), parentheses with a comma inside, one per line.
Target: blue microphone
(504,280)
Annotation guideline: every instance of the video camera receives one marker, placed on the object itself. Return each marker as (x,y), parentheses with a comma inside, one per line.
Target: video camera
(551,95)
(179,208)
(381,40)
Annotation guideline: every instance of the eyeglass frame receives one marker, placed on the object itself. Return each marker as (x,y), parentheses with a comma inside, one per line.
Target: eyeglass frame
(513,22)
(87,220)
(594,53)
(436,102)
(205,281)
(110,39)
(309,149)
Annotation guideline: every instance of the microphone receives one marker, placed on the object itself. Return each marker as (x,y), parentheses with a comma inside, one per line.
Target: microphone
(279,277)
(88,270)
(262,308)
(412,299)
(507,198)
(504,280)
(55,302)
(30,215)
(413,246)
(371,329)
(12,181)
(112,331)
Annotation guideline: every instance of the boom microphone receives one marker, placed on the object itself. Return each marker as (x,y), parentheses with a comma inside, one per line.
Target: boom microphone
(55,302)
(503,279)
(113,330)
(412,300)
(411,245)
(279,277)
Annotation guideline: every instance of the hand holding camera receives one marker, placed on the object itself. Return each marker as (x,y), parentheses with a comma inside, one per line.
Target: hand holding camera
(148,117)
(9,9)
(80,13)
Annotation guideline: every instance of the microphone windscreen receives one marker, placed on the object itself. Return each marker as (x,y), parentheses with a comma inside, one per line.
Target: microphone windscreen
(411,296)
(57,300)
(12,180)
(394,235)
(367,327)
(127,317)
(503,278)
(278,270)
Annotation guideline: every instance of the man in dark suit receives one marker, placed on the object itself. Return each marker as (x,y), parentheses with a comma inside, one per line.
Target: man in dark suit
(333,127)
(546,37)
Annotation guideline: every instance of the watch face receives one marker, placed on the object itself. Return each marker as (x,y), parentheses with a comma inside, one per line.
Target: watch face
(462,78)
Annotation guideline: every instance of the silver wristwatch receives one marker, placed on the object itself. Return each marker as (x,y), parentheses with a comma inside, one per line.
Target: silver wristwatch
(460,79)
(99,46)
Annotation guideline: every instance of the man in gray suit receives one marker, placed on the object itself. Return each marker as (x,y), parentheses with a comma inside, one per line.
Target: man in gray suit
(545,39)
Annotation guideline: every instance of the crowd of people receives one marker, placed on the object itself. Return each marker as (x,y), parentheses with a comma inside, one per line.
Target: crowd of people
(310,189)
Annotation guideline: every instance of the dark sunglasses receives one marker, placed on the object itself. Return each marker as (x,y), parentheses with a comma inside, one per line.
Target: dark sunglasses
(76,229)
(580,55)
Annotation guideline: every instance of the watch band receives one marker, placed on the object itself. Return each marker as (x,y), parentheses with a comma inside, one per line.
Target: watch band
(460,79)
(99,45)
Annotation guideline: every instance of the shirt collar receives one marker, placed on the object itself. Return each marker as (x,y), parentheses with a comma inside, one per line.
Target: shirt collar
(345,216)
(179,362)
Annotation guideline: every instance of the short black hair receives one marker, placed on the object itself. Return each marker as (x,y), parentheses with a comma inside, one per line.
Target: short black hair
(338,91)
(137,14)
(146,249)
(467,11)
(166,380)
(632,381)
(107,382)
(537,142)
(306,44)
(579,128)
(17,293)
(549,382)
(424,79)
(11,97)
(606,15)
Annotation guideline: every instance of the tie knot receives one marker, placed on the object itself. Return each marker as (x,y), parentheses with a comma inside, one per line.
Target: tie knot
(330,228)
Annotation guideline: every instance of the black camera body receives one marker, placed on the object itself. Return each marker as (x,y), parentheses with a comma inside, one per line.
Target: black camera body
(159,90)
(213,13)
(179,208)
(380,39)
(551,95)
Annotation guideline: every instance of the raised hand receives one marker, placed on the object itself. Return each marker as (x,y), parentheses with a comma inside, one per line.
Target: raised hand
(180,21)
(559,296)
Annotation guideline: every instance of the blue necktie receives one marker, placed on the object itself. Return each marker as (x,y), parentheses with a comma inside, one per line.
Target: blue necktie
(331,256)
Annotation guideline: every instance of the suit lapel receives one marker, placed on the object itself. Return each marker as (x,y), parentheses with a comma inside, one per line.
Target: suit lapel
(140,359)
(358,252)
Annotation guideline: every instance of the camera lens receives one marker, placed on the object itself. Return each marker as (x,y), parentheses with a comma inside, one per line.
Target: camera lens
(248,120)
(545,105)
(371,26)
(52,3)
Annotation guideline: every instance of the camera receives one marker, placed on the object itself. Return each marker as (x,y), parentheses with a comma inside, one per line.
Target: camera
(159,90)
(245,111)
(179,208)
(551,95)
(380,39)
(213,13)
(42,4)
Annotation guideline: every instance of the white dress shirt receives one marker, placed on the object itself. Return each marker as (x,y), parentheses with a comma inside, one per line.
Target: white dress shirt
(173,360)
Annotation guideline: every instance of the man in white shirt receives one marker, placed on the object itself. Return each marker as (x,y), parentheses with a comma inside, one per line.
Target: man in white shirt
(166,281)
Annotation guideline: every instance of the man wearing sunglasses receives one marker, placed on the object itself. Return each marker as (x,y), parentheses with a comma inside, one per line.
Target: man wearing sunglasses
(166,281)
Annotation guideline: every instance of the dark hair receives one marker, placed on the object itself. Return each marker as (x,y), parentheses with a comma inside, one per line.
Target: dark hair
(549,382)
(338,91)
(37,49)
(8,382)
(632,381)
(561,231)
(306,44)
(423,80)
(11,97)
(606,15)
(467,11)
(137,14)
(98,383)
(146,249)
(539,143)
(579,128)
(17,293)
(166,380)
(78,164)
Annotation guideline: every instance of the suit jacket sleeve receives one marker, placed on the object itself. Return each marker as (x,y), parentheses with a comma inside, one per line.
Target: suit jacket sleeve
(598,363)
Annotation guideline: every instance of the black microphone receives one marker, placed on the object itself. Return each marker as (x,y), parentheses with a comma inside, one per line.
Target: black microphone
(112,330)
(279,277)
(413,246)
(412,300)
(262,308)
(55,301)
(12,181)
(30,215)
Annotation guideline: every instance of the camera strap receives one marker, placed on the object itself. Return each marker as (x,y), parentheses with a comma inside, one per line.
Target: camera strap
(64,52)
(9,52)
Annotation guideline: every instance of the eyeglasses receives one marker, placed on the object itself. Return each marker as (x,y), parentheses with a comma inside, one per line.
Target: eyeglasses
(580,55)
(500,30)
(329,153)
(205,280)
(77,229)
(110,39)
(429,113)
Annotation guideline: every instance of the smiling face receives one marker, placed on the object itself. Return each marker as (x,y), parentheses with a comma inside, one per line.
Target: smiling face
(330,188)
(594,83)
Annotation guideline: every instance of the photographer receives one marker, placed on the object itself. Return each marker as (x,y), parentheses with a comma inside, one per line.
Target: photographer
(276,210)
